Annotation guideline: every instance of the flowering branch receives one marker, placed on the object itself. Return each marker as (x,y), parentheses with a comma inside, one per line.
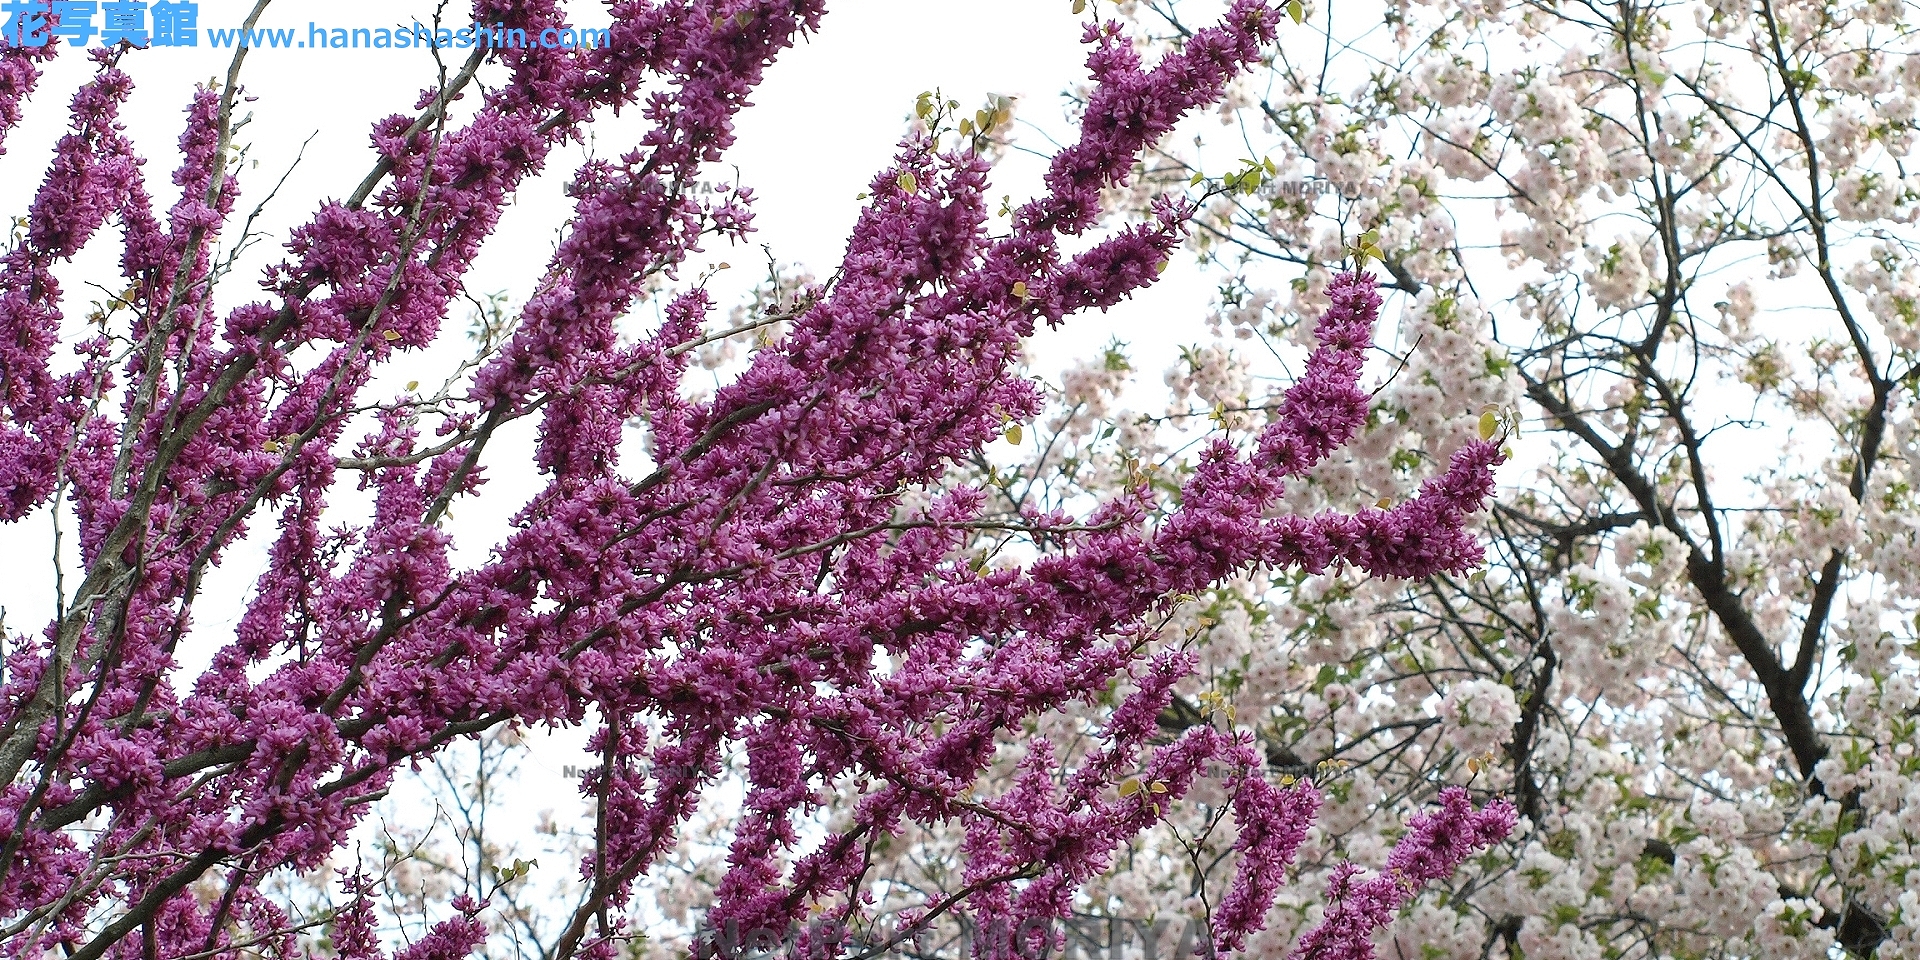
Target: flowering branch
(757,578)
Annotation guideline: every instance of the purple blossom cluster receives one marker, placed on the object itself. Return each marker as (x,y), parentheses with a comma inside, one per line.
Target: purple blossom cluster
(1435,844)
(755,582)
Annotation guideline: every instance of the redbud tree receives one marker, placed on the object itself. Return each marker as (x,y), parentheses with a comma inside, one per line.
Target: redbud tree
(779,570)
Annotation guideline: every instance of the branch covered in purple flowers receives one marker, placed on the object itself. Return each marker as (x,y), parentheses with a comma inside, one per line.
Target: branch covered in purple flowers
(756,580)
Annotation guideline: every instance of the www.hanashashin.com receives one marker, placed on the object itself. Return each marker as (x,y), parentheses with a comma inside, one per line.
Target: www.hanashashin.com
(176,23)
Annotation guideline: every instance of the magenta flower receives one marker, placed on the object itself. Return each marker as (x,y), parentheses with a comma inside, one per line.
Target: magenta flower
(1435,844)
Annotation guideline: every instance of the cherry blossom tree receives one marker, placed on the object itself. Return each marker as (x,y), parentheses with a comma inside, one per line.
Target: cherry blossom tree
(802,569)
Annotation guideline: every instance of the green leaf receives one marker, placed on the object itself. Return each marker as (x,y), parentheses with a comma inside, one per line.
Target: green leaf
(1326,676)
